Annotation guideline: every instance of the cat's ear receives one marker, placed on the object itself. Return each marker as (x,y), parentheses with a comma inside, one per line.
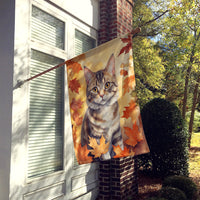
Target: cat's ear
(88,74)
(110,67)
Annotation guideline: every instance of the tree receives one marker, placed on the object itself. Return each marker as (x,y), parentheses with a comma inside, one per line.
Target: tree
(183,29)
(195,98)
(149,68)
(175,27)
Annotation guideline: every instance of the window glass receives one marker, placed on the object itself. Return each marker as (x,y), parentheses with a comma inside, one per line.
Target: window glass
(45,141)
(47,29)
(83,42)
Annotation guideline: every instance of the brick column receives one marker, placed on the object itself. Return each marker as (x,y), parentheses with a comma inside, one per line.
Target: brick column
(117,177)
(115,19)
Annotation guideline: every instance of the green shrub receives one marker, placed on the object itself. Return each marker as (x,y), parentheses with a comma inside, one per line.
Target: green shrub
(183,183)
(167,138)
(171,193)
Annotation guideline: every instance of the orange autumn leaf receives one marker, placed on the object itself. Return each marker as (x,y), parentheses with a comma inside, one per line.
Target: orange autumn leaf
(82,154)
(129,109)
(121,153)
(123,72)
(76,117)
(74,133)
(74,85)
(128,46)
(98,149)
(74,66)
(76,104)
(134,135)
(129,83)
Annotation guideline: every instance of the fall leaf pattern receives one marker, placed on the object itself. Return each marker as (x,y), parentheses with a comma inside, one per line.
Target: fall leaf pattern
(74,66)
(128,46)
(134,135)
(98,149)
(74,85)
(76,104)
(130,119)
(129,84)
(129,110)
(123,72)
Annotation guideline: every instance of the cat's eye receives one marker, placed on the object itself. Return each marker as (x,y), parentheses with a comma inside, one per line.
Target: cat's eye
(95,90)
(107,85)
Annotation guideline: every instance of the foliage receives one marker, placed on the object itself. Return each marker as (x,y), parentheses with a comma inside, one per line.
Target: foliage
(183,183)
(167,136)
(196,125)
(149,70)
(176,25)
(171,193)
(149,67)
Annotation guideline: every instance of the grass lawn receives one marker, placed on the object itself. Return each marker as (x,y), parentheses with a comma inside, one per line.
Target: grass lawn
(194,160)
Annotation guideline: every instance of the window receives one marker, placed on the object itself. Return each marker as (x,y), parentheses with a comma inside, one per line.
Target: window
(45,139)
(83,42)
(47,29)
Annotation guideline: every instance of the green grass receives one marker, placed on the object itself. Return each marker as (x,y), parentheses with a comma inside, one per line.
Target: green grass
(195,141)
(194,160)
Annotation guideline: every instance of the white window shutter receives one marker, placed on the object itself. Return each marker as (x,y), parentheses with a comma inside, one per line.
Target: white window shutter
(45,139)
(46,110)
(47,29)
(83,42)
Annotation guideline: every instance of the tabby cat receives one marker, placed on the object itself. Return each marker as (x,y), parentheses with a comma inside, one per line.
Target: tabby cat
(102,116)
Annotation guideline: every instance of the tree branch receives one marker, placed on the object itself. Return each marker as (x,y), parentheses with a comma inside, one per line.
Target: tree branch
(150,21)
(149,87)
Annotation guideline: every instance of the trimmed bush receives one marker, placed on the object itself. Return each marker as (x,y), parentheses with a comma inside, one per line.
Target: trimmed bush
(167,138)
(171,193)
(183,183)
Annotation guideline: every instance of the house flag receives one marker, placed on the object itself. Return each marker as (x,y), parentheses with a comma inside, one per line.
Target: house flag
(105,114)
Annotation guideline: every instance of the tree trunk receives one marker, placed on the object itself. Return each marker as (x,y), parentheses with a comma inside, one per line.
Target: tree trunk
(193,109)
(188,74)
(185,91)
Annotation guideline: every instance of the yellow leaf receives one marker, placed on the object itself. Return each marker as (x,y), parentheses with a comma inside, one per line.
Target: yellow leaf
(98,149)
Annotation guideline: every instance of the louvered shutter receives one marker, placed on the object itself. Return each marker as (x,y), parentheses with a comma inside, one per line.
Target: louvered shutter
(83,43)
(45,134)
(46,28)
(45,143)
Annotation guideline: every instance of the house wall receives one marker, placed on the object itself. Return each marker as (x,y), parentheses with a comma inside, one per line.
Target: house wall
(6,88)
(84,10)
(14,67)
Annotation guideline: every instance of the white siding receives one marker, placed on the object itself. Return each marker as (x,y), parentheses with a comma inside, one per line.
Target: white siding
(63,184)
(6,88)
(86,10)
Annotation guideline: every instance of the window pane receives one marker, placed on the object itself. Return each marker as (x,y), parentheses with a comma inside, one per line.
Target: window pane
(83,42)
(47,29)
(45,141)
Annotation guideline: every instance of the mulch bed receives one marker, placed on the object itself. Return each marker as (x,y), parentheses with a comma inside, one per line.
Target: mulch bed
(148,186)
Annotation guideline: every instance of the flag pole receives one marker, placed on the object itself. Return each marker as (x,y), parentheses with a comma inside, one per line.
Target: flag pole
(134,33)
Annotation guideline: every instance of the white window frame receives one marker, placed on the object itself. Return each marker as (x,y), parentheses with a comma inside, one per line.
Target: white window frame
(23,46)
